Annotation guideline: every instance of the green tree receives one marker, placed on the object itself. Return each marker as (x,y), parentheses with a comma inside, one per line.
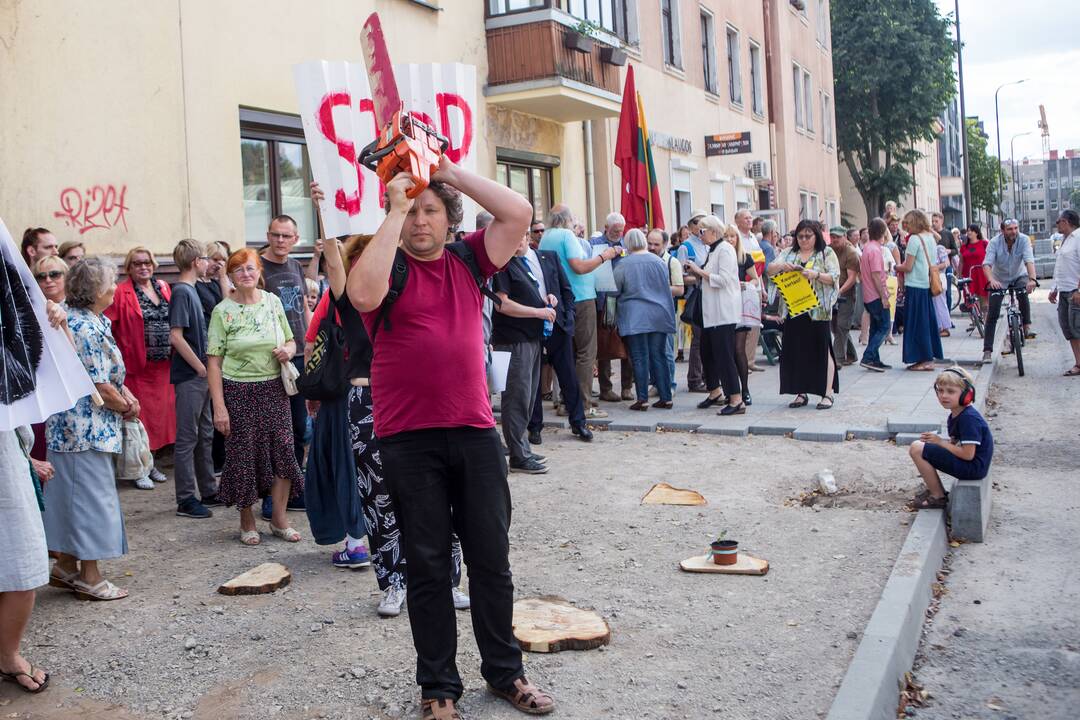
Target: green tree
(893,76)
(984,170)
(1074,200)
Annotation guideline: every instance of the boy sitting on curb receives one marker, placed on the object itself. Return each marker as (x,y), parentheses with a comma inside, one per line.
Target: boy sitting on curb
(966,454)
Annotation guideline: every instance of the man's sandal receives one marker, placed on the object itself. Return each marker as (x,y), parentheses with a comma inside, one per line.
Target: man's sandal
(439,709)
(104,590)
(526,697)
(14,677)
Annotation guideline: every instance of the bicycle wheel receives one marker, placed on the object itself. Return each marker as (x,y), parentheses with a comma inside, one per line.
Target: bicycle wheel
(1016,336)
(976,317)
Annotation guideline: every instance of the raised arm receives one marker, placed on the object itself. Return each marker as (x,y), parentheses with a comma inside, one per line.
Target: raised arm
(512,212)
(369,279)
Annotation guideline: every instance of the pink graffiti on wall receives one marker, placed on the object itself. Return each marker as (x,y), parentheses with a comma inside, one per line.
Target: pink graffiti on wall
(100,207)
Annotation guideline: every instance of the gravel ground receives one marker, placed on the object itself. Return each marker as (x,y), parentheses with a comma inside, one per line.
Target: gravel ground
(1005,642)
(683,646)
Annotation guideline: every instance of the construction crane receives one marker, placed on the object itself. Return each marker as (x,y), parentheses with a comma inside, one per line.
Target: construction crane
(1045,133)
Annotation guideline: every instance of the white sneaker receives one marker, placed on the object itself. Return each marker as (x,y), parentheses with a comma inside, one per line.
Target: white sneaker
(144,483)
(461,600)
(392,600)
(592,413)
(157,476)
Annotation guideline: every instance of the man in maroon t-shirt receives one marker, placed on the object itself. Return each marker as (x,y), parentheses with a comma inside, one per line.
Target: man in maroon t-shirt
(441,455)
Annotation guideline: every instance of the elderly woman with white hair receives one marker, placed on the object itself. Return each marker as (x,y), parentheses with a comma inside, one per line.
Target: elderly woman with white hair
(721,310)
(83,521)
(645,318)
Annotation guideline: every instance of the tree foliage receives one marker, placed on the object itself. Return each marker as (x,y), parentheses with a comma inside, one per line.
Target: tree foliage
(984,170)
(893,77)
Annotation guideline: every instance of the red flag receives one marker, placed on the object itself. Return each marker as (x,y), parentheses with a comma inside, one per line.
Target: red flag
(634,173)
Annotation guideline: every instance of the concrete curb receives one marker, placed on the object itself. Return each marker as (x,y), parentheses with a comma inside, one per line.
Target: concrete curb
(871,686)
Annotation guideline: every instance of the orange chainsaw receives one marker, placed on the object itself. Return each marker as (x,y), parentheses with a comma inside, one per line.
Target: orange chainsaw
(404,144)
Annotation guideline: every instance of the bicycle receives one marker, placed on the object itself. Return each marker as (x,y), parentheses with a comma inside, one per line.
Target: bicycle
(969,303)
(1014,323)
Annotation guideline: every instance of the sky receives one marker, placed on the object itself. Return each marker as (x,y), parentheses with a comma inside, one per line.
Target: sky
(1006,40)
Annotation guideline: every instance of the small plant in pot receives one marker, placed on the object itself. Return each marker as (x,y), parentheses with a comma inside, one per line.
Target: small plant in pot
(724,552)
(580,37)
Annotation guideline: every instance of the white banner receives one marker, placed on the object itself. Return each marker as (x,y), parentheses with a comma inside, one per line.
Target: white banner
(339,120)
(40,375)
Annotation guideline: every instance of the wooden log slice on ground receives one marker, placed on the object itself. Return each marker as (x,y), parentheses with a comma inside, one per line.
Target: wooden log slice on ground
(550,624)
(664,494)
(259,580)
(746,565)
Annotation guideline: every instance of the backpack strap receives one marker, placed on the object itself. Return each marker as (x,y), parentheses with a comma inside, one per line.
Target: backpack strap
(399,274)
(465,253)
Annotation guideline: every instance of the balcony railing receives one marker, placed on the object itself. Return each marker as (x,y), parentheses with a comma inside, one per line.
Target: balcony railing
(538,50)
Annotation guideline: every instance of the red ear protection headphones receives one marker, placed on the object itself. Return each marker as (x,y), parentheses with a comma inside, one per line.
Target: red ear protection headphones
(968,395)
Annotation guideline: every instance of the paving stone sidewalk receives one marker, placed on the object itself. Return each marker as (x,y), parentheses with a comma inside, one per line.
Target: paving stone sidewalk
(870,405)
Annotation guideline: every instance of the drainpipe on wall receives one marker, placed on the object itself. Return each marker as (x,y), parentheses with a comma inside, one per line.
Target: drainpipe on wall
(766,14)
(590,179)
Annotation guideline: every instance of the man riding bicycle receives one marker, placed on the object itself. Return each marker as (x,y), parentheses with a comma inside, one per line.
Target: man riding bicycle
(1009,263)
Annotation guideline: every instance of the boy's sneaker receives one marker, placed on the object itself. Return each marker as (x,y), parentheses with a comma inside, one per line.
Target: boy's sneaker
(144,483)
(356,558)
(392,600)
(157,476)
(192,508)
(212,501)
(872,366)
(461,600)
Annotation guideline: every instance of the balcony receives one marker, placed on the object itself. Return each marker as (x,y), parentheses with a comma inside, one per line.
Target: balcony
(531,69)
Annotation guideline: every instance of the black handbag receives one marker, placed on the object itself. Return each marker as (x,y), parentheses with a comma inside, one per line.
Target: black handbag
(324,374)
(692,314)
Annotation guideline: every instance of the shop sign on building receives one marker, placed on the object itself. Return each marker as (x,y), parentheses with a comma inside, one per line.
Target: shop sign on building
(670,142)
(339,120)
(727,144)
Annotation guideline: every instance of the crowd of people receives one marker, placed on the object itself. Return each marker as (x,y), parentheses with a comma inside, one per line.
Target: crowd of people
(234,366)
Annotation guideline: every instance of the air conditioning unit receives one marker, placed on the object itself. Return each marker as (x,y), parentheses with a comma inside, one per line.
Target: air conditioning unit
(757,170)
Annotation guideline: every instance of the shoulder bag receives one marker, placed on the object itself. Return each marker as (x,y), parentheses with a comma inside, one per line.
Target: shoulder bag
(324,374)
(935,276)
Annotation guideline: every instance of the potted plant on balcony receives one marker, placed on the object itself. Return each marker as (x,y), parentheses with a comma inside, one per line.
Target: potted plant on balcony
(580,37)
(612,55)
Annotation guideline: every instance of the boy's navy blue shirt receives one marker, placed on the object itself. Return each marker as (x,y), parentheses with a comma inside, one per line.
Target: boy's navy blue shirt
(969,428)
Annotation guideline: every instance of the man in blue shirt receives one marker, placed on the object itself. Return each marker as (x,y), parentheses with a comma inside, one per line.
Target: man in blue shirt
(610,238)
(578,266)
(1009,263)
(692,250)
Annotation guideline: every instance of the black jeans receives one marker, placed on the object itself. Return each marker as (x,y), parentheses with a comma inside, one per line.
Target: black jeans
(560,355)
(441,480)
(994,312)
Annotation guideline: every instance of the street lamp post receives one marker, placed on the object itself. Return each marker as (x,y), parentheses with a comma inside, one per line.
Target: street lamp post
(997,126)
(963,119)
(1017,210)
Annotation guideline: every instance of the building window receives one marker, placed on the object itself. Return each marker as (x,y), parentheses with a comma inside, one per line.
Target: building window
(734,71)
(832,209)
(808,98)
(1053,204)
(823,23)
(717,203)
(533,182)
(1053,183)
(815,207)
(804,205)
(276,174)
(796,77)
(757,99)
(827,121)
(611,15)
(669,26)
(502,7)
(708,52)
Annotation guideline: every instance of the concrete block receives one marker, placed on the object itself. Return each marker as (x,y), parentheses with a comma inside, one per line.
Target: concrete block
(887,649)
(905,439)
(914,424)
(632,427)
(557,424)
(677,426)
(969,509)
(773,428)
(817,432)
(733,431)
(870,434)
(598,423)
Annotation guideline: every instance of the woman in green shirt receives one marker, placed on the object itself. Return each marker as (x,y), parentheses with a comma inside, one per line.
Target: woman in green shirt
(248,340)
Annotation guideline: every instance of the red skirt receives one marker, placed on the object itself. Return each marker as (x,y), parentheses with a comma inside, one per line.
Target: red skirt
(157,401)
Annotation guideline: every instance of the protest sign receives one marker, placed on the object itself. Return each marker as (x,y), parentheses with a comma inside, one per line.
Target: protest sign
(40,375)
(799,295)
(339,120)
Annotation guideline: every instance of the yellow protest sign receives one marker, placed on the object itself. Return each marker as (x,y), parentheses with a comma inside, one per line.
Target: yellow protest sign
(798,294)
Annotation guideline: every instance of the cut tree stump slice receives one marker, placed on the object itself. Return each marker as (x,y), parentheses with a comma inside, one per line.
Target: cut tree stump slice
(746,565)
(664,494)
(550,624)
(259,580)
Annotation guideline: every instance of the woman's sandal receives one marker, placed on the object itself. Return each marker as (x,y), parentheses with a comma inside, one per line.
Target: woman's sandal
(1072,372)
(921,367)
(663,405)
(639,405)
(526,697)
(103,591)
(439,709)
(60,579)
(250,537)
(288,534)
(931,503)
(800,401)
(14,677)
(825,404)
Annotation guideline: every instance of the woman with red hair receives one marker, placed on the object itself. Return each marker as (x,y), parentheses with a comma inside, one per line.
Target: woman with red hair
(248,340)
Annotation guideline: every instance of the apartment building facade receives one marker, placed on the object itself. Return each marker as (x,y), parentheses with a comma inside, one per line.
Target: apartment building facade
(143,124)
(1038,190)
